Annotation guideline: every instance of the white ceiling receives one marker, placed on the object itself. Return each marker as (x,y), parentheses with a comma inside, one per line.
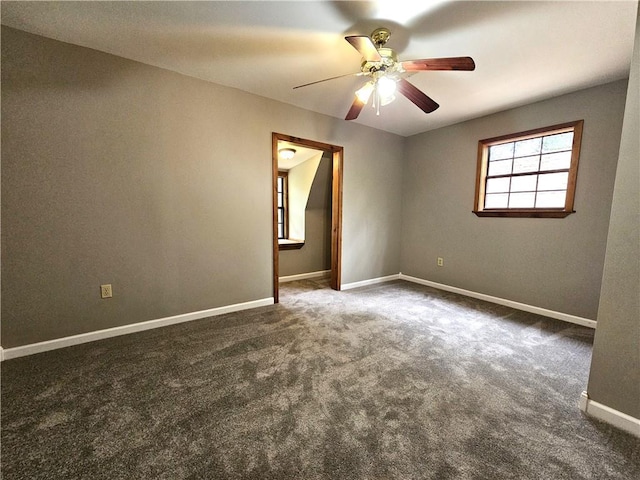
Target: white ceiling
(524,50)
(302,155)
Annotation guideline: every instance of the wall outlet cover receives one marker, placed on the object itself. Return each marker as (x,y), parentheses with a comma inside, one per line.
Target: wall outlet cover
(106,291)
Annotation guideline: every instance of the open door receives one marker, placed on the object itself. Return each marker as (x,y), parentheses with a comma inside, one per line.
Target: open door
(336,153)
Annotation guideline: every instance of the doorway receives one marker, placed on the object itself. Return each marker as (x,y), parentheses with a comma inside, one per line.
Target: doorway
(336,154)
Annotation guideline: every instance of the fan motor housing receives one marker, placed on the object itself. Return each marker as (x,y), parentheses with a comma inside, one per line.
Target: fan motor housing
(388,64)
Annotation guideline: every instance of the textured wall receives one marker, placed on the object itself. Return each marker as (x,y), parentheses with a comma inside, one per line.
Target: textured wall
(550,263)
(118,172)
(300,179)
(615,368)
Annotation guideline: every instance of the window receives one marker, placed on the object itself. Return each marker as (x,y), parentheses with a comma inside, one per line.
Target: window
(282,206)
(529,174)
(284,242)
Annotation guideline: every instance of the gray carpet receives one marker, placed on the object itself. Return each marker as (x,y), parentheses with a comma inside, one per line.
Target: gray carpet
(394,381)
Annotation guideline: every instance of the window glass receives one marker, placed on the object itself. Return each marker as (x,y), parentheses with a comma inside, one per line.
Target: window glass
(556,161)
(528,147)
(522,200)
(281,184)
(550,199)
(500,200)
(497,185)
(553,143)
(502,151)
(553,181)
(502,167)
(526,164)
(524,184)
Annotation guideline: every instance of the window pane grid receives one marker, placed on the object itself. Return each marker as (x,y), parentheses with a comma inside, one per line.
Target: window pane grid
(530,173)
(281,207)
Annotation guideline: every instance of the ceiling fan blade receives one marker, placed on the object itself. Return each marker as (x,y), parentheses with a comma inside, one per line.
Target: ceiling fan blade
(327,79)
(453,63)
(365,46)
(426,104)
(355,109)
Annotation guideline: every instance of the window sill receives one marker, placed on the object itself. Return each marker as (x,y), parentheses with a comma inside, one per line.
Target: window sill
(288,244)
(524,213)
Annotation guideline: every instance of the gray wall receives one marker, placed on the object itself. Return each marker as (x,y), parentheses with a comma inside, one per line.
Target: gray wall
(315,255)
(118,172)
(615,367)
(550,263)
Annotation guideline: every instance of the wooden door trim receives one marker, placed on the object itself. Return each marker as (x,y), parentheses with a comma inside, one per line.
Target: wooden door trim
(336,205)
(336,220)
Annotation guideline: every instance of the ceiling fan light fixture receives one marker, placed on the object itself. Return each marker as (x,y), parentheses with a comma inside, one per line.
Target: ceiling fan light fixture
(386,100)
(286,153)
(365,92)
(386,87)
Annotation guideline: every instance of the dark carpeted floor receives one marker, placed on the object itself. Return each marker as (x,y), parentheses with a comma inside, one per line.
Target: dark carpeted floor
(394,381)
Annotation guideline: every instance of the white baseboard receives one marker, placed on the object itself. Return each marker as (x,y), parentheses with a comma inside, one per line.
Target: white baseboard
(39,347)
(372,281)
(585,322)
(305,276)
(1,354)
(609,415)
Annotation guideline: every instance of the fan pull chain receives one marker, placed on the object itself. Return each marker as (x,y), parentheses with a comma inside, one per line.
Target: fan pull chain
(376,99)
(373,102)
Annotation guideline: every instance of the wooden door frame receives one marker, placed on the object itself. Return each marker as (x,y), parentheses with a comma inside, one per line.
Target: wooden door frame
(336,206)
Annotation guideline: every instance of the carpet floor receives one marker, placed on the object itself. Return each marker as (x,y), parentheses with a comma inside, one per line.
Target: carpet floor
(393,381)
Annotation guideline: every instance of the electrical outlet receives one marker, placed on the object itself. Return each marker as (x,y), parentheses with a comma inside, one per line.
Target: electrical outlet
(106,291)
(440,262)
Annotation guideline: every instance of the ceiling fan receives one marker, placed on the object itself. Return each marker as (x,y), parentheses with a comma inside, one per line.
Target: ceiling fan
(387,74)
